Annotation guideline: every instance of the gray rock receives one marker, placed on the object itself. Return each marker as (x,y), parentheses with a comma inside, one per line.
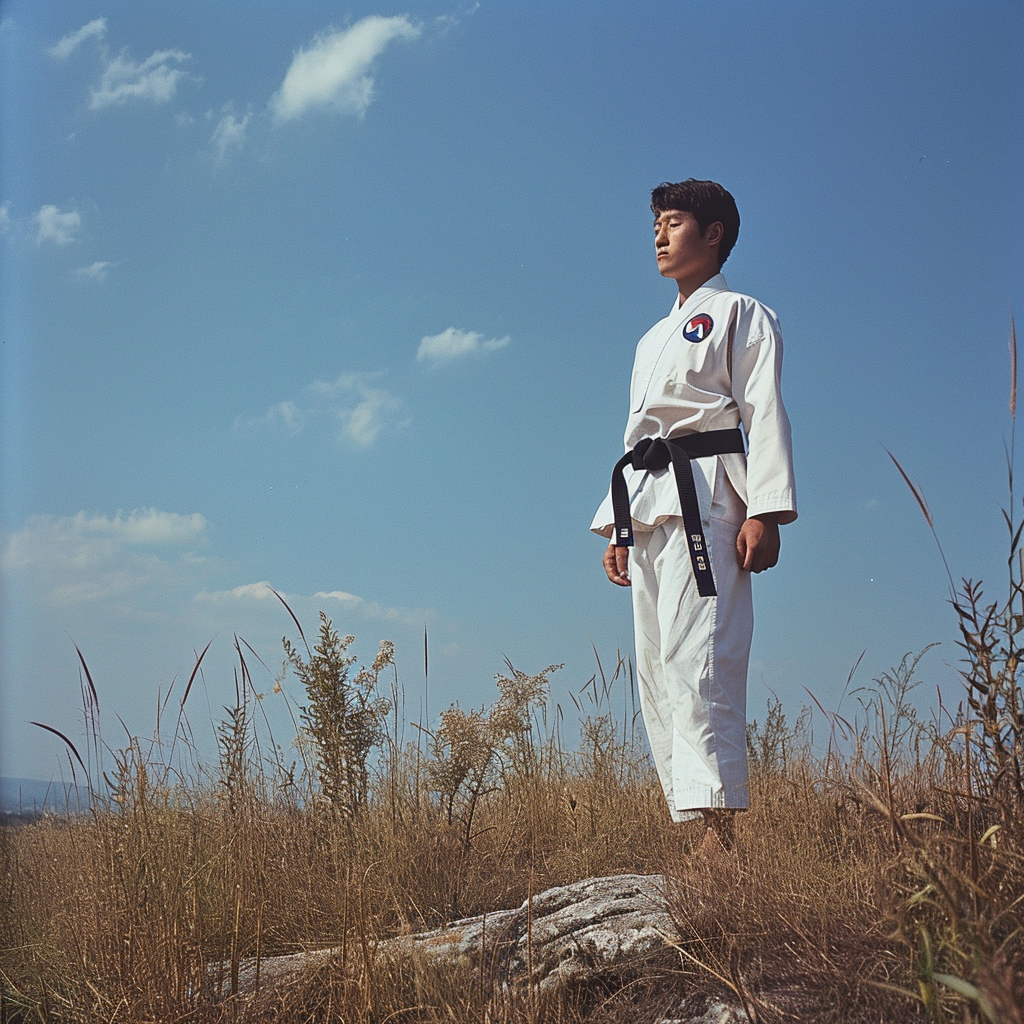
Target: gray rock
(564,935)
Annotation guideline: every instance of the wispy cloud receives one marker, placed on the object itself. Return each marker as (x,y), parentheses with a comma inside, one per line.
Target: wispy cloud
(375,610)
(351,406)
(333,71)
(63,49)
(82,539)
(144,555)
(228,135)
(82,557)
(445,22)
(262,591)
(455,344)
(96,272)
(360,410)
(155,79)
(5,218)
(57,227)
(122,78)
(287,415)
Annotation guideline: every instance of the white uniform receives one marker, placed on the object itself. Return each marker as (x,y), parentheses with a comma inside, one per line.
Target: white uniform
(713,363)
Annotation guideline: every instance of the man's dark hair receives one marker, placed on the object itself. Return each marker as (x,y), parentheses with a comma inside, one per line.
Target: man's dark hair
(708,202)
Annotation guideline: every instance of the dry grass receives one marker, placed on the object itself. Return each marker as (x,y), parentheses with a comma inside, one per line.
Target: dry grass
(118,914)
(856,892)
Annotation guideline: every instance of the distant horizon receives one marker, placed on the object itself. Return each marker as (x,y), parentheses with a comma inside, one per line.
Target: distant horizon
(44,795)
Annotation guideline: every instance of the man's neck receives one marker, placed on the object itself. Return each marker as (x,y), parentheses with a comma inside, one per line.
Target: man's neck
(688,285)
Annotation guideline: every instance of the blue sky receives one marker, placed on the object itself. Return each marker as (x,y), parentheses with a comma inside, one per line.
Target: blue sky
(343,299)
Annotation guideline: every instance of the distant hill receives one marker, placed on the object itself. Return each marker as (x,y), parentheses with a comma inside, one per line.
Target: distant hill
(34,796)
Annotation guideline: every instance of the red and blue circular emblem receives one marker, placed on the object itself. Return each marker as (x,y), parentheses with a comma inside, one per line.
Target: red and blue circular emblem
(698,328)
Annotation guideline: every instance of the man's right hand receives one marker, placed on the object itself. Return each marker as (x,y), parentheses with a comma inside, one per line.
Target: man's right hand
(616,564)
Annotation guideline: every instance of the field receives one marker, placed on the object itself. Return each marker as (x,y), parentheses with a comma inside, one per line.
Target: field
(881,879)
(878,877)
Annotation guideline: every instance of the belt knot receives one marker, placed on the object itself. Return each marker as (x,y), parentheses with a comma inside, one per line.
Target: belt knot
(651,453)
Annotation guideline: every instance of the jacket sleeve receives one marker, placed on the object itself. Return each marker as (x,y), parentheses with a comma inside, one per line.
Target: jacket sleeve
(756,348)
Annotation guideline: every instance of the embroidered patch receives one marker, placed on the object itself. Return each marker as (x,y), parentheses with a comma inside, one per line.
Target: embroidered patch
(698,327)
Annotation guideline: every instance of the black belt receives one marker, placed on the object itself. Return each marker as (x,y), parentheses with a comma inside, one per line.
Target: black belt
(656,453)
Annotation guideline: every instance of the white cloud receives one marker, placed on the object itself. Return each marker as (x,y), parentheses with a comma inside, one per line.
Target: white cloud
(358,410)
(328,390)
(82,557)
(149,526)
(228,135)
(55,226)
(5,218)
(373,610)
(362,424)
(123,79)
(263,591)
(146,557)
(333,71)
(94,272)
(96,29)
(339,595)
(82,539)
(455,344)
(246,592)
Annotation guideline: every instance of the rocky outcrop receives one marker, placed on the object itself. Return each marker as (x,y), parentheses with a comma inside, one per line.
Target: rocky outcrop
(564,935)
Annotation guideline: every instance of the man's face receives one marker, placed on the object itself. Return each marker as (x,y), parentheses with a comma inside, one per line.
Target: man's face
(681,251)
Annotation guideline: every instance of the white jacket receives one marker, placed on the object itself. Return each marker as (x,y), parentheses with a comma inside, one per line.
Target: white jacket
(713,363)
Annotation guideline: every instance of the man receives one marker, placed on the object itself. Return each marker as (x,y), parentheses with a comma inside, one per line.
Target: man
(689,515)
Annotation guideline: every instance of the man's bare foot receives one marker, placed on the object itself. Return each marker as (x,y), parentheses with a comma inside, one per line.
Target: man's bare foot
(721,834)
(711,847)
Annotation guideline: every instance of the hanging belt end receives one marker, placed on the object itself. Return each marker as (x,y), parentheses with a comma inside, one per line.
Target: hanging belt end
(623,536)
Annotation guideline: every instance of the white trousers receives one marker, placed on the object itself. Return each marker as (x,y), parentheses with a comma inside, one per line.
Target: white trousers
(692,654)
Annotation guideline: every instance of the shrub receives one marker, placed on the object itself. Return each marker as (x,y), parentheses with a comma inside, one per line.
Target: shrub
(344,716)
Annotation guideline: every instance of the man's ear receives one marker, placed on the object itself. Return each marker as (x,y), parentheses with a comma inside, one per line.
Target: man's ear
(715,232)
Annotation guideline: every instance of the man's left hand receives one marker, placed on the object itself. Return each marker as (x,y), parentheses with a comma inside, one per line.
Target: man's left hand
(757,545)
